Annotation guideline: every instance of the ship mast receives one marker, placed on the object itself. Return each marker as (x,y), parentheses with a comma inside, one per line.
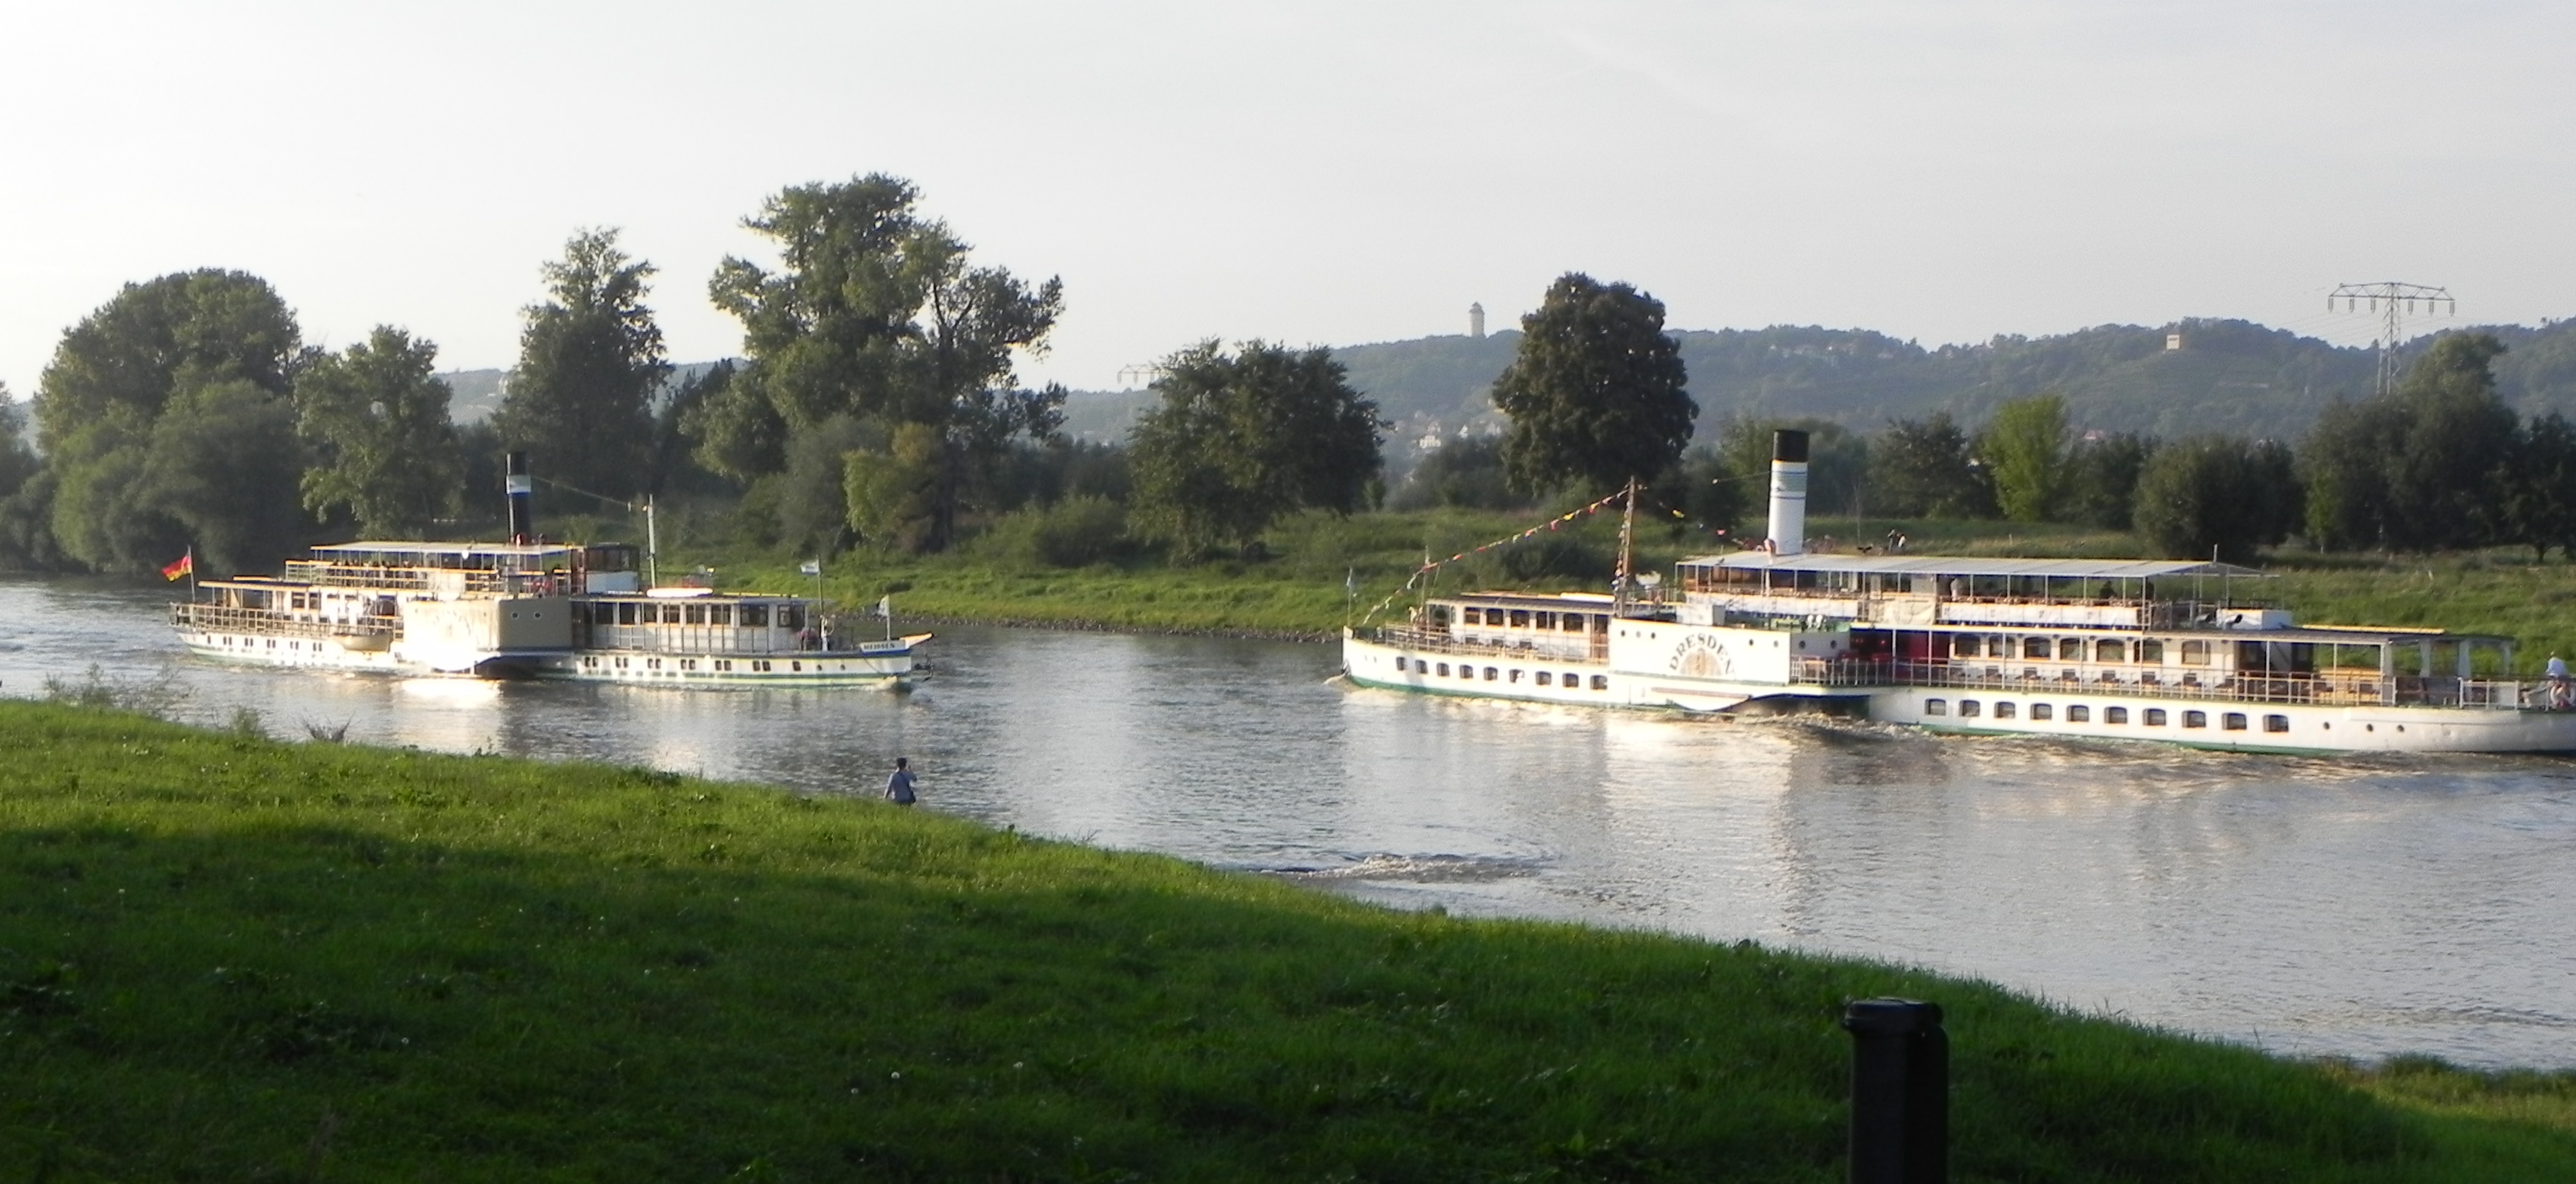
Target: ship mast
(1621,580)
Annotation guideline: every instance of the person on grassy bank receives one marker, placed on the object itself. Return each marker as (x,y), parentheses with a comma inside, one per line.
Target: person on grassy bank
(899,784)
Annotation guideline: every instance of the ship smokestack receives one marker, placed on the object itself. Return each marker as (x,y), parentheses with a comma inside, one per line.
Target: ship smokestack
(522,487)
(1788,492)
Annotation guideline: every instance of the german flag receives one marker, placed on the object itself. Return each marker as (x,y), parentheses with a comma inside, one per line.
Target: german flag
(185,567)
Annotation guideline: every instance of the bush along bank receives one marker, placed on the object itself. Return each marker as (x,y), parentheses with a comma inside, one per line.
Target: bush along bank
(227,957)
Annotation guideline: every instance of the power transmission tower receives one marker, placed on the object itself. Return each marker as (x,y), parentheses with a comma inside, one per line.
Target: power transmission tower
(1150,372)
(2392,300)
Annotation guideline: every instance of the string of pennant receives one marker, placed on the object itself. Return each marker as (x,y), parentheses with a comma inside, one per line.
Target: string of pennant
(1430,565)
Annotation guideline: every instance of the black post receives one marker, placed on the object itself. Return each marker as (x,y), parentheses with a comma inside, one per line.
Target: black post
(1900,1119)
(522,489)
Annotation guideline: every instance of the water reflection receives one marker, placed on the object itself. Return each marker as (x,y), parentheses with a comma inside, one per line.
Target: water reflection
(2361,907)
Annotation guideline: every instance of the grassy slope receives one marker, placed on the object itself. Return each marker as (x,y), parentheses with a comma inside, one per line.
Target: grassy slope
(222,957)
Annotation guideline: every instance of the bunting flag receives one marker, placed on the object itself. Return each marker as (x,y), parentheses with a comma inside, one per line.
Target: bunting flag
(185,566)
(1429,564)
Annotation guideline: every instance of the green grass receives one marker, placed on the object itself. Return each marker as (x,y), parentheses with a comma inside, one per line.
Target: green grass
(224,958)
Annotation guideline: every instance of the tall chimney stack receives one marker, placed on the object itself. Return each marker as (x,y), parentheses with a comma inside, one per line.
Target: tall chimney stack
(523,488)
(1788,492)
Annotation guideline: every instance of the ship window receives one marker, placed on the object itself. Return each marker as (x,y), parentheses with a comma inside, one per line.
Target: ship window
(2006,710)
(626,613)
(2195,653)
(1574,622)
(1970,709)
(1516,676)
(2155,717)
(1471,616)
(1998,646)
(2195,719)
(697,614)
(2276,723)
(796,666)
(2151,651)
(2233,721)
(1936,707)
(1572,679)
(2070,649)
(1544,678)
(1601,682)
(652,663)
(2077,713)
(755,616)
(1491,674)
(1543,621)
(1520,618)
(603,613)
(1444,670)
(2109,651)
(719,614)
(1963,645)
(2040,711)
(791,616)
(2115,715)
(2034,647)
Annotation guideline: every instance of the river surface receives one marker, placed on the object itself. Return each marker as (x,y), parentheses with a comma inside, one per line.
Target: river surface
(2355,907)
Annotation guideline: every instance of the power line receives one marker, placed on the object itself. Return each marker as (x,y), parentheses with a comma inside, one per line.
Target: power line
(2393,300)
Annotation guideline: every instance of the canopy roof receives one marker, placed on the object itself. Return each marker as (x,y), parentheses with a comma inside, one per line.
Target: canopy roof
(1954,565)
(414,547)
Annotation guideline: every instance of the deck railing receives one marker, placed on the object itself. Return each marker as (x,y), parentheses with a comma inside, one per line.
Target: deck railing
(266,622)
(1577,647)
(2330,688)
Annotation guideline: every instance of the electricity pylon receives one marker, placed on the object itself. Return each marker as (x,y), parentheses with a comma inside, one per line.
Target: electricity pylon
(2394,296)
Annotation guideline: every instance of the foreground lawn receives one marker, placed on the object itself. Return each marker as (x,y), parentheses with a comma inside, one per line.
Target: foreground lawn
(227,958)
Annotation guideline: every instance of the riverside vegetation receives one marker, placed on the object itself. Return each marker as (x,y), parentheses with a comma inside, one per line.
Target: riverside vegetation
(223,956)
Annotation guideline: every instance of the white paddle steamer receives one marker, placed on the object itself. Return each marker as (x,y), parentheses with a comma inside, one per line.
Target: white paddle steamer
(2183,652)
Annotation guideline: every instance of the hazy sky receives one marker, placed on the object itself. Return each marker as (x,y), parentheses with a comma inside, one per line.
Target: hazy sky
(1308,172)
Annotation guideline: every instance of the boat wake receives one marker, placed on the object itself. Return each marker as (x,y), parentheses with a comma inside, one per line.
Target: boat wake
(1418,869)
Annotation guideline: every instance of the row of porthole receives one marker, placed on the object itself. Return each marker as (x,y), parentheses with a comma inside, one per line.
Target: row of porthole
(1600,682)
(2077,713)
(272,644)
(758,665)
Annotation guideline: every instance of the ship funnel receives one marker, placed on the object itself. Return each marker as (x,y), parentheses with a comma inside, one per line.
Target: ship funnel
(523,488)
(1788,492)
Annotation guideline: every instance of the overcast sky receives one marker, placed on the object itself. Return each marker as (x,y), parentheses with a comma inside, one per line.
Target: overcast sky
(1308,172)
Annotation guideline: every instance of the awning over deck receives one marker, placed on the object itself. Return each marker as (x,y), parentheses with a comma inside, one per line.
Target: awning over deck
(1972,567)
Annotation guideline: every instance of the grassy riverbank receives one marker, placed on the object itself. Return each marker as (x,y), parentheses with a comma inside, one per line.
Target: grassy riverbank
(223,957)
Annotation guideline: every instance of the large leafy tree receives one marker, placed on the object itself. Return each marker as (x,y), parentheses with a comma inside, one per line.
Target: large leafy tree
(2217,492)
(117,502)
(384,449)
(1241,439)
(1597,392)
(2102,478)
(2421,468)
(878,314)
(590,360)
(2024,448)
(222,460)
(1922,468)
(2539,504)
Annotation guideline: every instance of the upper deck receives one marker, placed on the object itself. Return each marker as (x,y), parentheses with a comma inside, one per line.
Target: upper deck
(469,569)
(1918,591)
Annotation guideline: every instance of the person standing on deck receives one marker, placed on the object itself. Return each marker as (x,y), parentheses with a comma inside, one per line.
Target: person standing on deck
(899,785)
(2557,671)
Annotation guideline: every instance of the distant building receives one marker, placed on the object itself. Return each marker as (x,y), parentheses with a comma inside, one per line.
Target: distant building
(2173,341)
(1476,321)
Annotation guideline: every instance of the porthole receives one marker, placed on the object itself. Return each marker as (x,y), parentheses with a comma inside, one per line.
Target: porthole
(1971,709)
(2278,723)
(2155,717)
(1936,707)
(2115,715)
(2040,711)
(1444,670)
(2233,721)
(2195,719)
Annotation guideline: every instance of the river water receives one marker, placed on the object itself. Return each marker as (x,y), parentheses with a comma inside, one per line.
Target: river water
(2356,907)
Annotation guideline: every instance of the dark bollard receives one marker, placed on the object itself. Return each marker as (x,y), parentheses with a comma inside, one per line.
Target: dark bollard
(1900,1119)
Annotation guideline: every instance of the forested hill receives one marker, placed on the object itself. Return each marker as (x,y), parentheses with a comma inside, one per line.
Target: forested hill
(2228,376)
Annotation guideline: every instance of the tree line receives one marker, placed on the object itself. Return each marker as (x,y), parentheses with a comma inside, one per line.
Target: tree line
(877,403)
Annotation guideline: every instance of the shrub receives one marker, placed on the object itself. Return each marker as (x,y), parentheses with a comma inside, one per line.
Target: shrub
(1075,532)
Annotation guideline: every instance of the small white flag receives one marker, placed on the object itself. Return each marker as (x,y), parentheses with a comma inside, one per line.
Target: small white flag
(811,567)
(885,607)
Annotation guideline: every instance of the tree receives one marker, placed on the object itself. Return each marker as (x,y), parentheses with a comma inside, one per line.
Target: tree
(1241,439)
(222,461)
(1920,468)
(1596,393)
(2539,508)
(1465,472)
(590,361)
(2217,492)
(2024,449)
(2102,478)
(2422,467)
(878,315)
(385,451)
(111,379)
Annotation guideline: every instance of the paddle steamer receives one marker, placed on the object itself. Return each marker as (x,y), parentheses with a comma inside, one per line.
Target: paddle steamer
(2195,653)
(525,609)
